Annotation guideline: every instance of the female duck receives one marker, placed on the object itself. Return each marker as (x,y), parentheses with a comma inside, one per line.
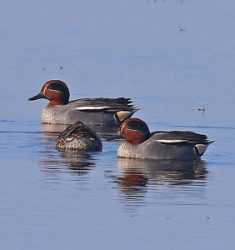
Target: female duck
(78,137)
(97,111)
(173,145)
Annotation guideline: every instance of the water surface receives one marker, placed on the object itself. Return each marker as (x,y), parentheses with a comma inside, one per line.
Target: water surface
(172,58)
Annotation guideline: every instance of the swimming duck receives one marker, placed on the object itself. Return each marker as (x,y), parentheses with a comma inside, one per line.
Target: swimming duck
(162,145)
(91,111)
(78,137)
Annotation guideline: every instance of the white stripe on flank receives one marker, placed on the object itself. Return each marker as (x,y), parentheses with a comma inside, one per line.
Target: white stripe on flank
(168,141)
(92,108)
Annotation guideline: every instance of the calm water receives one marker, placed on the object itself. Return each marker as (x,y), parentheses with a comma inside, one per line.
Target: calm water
(172,57)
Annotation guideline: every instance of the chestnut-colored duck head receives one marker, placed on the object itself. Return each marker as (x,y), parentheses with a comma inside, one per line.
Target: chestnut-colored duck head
(55,91)
(134,130)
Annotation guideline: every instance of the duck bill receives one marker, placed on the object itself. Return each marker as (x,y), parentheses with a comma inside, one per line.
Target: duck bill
(36,97)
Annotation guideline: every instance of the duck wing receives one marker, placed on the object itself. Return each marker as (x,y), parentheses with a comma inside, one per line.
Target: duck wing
(77,130)
(111,105)
(179,137)
(119,108)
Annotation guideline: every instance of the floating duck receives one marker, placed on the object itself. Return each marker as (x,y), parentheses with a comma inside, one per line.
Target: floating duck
(91,111)
(161,145)
(78,137)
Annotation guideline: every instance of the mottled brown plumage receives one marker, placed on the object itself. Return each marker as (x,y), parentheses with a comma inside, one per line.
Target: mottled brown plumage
(78,137)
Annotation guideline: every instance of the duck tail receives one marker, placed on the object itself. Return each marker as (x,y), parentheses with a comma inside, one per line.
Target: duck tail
(201,148)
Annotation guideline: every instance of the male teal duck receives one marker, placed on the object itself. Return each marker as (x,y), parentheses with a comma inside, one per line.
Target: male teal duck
(78,137)
(91,111)
(161,145)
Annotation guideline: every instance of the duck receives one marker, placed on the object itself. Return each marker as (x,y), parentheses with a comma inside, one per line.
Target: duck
(91,111)
(159,145)
(78,137)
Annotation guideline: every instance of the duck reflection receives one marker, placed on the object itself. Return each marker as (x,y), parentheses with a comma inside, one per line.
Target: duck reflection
(80,163)
(133,184)
(138,175)
(166,171)
(53,128)
(72,162)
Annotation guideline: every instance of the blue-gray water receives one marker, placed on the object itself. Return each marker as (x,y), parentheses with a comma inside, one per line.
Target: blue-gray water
(172,57)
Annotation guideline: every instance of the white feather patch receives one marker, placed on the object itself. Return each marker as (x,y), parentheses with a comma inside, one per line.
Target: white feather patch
(173,141)
(123,115)
(92,108)
(201,148)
